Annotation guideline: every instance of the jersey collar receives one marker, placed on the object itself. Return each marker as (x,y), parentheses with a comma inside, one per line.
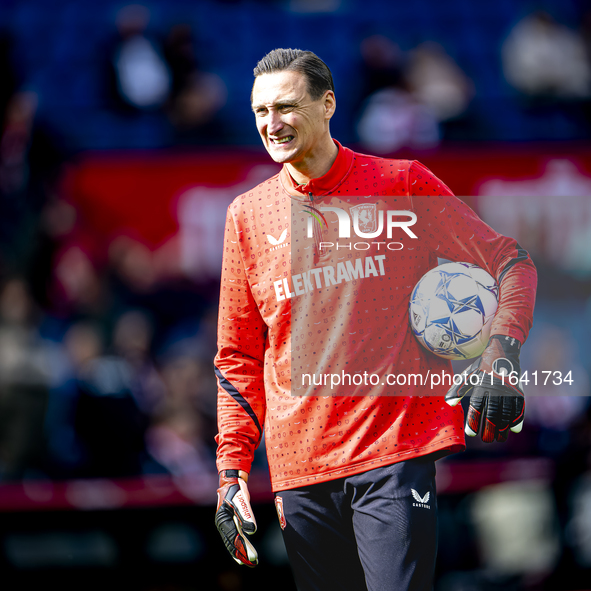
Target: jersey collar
(325,184)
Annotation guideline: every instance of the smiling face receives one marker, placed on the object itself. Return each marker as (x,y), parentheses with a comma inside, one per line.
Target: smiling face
(294,127)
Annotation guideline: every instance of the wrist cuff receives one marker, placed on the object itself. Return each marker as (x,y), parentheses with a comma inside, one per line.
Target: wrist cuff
(509,344)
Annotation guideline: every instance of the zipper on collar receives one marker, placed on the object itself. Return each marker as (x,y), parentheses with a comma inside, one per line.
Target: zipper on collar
(317,230)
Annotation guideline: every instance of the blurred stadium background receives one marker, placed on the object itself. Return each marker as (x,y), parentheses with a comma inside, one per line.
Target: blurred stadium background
(126,132)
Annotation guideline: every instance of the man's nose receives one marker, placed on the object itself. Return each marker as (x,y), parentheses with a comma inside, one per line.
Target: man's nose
(275,123)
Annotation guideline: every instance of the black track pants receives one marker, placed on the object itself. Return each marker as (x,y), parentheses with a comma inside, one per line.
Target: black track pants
(368,532)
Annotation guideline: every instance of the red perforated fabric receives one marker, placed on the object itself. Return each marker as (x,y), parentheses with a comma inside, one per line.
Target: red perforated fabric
(344,321)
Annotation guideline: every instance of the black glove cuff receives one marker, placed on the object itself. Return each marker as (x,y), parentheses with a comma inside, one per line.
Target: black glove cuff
(510,345)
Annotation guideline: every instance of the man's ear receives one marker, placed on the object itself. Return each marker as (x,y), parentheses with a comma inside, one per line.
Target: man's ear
(330,104)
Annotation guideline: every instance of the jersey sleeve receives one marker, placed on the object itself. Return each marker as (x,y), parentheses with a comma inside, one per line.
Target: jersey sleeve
(239,363)
(453,231)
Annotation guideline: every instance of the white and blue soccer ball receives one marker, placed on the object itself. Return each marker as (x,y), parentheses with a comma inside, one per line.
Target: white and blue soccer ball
(452,308)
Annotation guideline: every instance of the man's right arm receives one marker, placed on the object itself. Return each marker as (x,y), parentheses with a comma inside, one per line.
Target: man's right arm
(239,363)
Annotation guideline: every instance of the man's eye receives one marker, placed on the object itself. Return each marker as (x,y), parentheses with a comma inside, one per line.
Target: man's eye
(261,111)
(285,108)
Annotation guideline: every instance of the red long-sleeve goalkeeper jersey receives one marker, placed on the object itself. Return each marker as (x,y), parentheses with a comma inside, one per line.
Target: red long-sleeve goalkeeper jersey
(316,281)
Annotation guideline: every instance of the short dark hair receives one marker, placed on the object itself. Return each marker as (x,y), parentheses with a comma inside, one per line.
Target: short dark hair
(317,73)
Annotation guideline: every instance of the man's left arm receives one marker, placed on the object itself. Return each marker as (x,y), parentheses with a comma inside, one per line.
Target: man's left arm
(453,231)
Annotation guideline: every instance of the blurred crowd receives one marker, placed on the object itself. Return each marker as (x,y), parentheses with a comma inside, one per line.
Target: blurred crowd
(91,397)
(121,76)
(146,74)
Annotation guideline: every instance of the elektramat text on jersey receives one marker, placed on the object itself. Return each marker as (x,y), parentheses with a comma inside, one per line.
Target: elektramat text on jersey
(328,275)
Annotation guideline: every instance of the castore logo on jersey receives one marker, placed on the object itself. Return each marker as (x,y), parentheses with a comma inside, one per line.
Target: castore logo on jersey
(278,242)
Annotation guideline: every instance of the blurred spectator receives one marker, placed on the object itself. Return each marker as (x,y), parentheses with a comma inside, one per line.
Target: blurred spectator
(78,287)
(586,36)
(56,219)
(196,96)
(82,342)
(555,405)
(578,528)
(24,383)
(382,64)
(14,171)
(133,264)
(175,441)
(517,529)
(178,437)
(108,421)
(7,72)
(186,381)
(143,79)
(18,127)
(132,341)
(95,426)
(436,81)
(30,162)
(546,60)
(391,116)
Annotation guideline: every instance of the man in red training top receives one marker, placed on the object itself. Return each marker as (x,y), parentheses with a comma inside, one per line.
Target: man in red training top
(319,264)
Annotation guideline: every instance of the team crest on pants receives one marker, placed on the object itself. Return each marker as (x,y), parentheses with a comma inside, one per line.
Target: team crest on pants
(280,512)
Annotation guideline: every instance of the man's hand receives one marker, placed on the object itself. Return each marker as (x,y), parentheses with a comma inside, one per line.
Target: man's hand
(492,382)
(234,517)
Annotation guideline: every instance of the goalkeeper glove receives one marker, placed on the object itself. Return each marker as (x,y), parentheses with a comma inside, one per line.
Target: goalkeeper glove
(497,402)
(234,517)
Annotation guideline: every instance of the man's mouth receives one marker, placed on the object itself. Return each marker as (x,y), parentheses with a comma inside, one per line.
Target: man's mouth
(281,140)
